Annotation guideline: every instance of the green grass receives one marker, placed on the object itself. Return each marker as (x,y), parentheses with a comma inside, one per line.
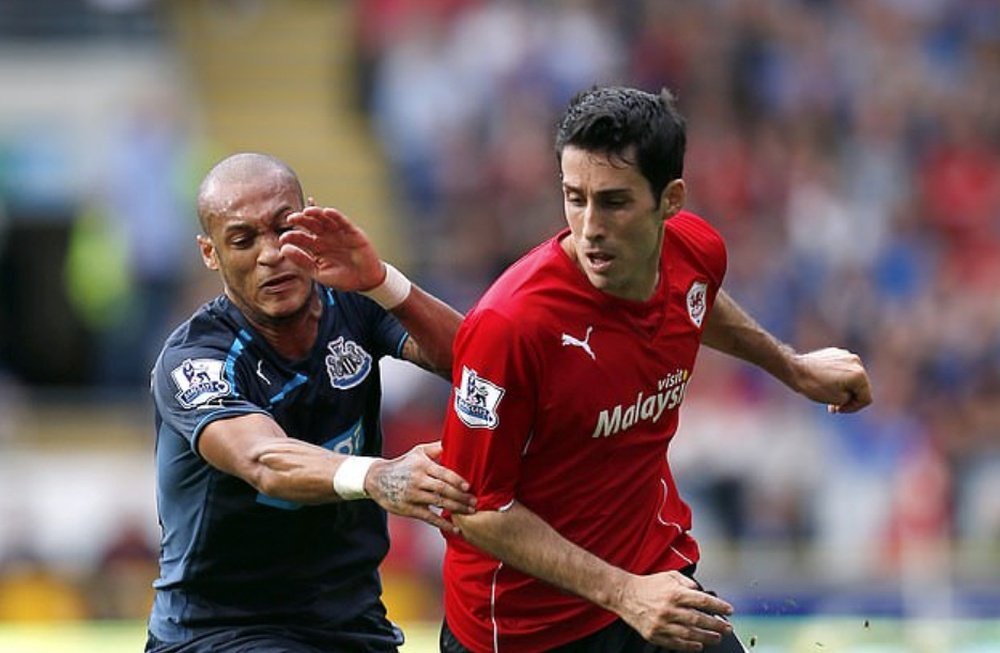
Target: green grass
(768,635)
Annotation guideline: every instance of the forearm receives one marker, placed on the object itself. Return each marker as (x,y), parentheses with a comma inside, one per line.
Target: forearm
(432,325)
(294,470)
(254,448)
(408,485)
(523,540)
(730,330)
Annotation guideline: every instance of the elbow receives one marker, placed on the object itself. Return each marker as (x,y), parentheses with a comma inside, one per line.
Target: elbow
(464,522)
(470,530)
(443,369)
(265,482)
(256,473)
(438,362)
(484,529)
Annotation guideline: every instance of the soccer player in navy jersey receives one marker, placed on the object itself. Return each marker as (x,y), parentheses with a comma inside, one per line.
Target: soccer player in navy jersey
(271,493)
(568,377)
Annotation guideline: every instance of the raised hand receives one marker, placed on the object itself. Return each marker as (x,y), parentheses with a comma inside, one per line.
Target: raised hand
(335,250)
(415,485)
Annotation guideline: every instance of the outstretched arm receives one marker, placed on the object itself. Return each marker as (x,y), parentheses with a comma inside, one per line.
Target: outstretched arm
(832,375)
(666,608)
(256,449)
(341,256)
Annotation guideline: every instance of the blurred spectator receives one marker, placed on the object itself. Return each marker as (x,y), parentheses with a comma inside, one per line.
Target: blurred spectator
(122,584)
(31,591)
(849,152)
(134,243)
(463,96)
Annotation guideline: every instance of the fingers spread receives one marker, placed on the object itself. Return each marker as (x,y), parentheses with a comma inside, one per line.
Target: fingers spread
(298,256)
(307,220)
(328,218)
(299,238)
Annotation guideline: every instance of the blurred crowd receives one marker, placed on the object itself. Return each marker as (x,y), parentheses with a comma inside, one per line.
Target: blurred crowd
(850,154)
(848,151)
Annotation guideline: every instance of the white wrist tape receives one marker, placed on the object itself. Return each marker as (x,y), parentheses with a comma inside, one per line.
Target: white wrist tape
(393,291)
(349,479)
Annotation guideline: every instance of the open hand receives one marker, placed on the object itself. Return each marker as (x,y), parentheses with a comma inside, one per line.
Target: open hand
(671,611)
(335,250)
(415,485)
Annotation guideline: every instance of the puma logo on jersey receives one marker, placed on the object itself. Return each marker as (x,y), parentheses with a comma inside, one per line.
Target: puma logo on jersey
(582,344)
(260,372)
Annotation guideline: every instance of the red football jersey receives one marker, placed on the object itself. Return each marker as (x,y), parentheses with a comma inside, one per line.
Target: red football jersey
(565,400)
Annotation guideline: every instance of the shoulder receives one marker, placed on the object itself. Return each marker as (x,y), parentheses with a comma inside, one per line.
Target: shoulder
(525,304)
(528,284)
(209,333)
(692,238)
(694,229)
(205,361)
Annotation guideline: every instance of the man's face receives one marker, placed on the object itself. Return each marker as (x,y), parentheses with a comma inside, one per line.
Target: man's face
(242,244)
(616,225)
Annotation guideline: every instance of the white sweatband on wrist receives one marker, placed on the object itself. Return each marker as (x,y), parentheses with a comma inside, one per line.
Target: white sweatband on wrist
(393,291)
(349,479)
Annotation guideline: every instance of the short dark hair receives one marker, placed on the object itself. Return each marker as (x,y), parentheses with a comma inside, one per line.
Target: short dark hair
(612,119)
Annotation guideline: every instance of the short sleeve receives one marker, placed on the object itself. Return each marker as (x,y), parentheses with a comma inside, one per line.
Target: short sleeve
(705,245)
(194,386)
(389,333)
(492,408)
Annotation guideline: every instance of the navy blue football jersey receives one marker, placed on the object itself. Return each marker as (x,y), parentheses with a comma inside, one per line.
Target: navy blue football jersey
(231,555)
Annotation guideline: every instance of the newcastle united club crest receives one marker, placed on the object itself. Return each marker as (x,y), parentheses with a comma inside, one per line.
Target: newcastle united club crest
(347,363)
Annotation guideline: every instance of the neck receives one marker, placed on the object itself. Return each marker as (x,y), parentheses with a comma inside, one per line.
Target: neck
(291,336)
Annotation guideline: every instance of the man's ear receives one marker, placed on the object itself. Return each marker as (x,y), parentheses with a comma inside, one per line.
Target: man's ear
(208,255)
(672,198)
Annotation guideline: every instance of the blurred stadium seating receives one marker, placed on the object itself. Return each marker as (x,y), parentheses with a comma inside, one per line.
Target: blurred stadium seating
(849,152)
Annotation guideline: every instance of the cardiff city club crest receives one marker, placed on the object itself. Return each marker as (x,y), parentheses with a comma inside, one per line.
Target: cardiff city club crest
(199,381)
(697,303)
(476,401)
(347,363)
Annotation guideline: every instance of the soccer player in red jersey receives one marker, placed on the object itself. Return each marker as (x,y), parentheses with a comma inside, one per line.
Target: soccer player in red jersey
(568,377)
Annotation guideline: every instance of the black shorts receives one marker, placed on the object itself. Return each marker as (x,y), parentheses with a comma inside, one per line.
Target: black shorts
(277,639)
(618,637)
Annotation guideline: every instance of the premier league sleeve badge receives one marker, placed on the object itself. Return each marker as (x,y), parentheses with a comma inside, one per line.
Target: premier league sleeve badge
(476,401)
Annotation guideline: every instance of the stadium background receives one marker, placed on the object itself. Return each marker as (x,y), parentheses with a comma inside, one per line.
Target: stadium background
(848,150)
